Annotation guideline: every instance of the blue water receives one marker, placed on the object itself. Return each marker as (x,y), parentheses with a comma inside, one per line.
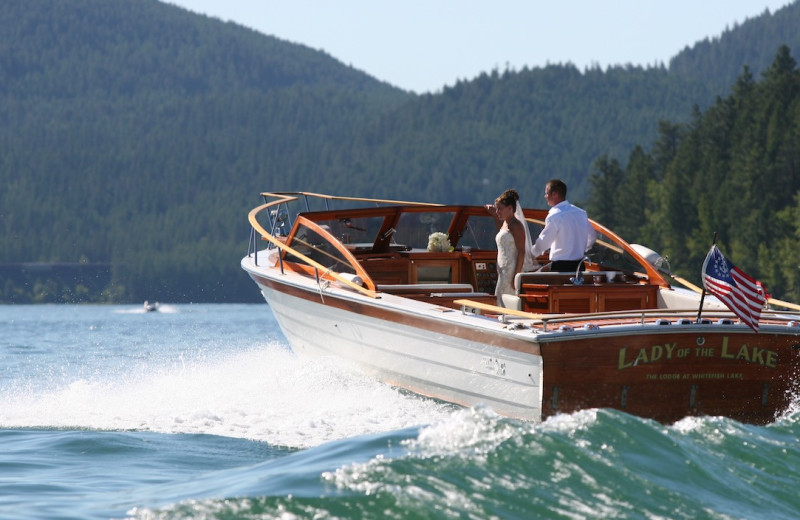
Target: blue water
(203,412)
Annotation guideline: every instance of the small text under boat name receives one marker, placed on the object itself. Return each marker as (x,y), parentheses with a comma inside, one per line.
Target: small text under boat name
(675,377)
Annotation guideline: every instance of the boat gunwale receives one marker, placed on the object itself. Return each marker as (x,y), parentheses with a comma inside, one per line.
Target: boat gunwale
(636,321)
(626,317)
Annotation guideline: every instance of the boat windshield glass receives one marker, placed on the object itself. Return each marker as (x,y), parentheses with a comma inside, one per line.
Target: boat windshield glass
(481,230)
(356,233)
(610,256)
(479,233)
(313,245)
(414,228)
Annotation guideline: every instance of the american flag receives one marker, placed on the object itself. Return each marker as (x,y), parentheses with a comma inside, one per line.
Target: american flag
(743,295)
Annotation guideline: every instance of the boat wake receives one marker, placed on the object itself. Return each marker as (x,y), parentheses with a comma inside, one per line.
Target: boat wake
(266,394)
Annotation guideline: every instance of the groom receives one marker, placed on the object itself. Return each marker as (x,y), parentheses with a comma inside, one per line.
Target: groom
(567,232)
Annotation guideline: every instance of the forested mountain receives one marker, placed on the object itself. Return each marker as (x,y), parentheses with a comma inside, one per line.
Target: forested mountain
(137,134)
(718,61)
(517,129)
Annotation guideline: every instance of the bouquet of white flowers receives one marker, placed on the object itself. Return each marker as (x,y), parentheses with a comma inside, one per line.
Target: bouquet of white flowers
(439,242)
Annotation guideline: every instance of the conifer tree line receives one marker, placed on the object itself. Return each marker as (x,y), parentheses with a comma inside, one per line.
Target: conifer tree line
(733,170)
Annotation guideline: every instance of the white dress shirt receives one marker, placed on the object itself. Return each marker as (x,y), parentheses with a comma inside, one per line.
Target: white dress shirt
(567,233)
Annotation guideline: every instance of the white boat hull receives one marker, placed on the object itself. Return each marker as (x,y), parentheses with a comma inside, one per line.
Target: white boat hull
(429,363)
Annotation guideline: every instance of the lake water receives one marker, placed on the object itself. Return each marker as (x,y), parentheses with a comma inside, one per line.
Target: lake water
(203,412)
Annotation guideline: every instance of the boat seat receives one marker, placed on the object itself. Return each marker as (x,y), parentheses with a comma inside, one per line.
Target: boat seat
(533,297)
(548,277)
(461,295)
(426,288)
(514,301)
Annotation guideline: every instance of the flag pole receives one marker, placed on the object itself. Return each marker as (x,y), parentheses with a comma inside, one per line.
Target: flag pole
(703,293)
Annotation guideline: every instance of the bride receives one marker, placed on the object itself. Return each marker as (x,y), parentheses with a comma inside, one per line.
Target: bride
(513,242)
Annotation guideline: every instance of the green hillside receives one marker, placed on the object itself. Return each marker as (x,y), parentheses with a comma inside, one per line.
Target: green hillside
(518,130)
(718,61)
(138,135)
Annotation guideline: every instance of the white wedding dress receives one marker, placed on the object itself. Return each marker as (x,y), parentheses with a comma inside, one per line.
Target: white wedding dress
(506,264)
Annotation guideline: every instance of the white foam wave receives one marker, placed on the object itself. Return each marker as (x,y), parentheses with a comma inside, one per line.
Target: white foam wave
(266,394)
(471,432)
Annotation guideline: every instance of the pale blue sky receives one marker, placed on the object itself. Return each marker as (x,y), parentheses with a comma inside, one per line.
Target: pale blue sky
(424,45)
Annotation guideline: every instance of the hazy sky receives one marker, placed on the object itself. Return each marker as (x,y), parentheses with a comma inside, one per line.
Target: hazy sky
(423,45)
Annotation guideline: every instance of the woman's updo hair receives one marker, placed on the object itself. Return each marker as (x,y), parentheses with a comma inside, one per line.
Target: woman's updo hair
(509,198)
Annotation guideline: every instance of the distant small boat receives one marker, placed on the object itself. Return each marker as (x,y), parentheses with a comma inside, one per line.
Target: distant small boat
(150,307)
(377,283)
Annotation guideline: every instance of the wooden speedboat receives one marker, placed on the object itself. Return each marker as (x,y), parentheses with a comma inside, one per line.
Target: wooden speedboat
(354,279)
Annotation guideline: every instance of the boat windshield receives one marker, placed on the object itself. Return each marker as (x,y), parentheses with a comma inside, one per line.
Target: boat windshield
(395,228)
(480,232)
(414,228)
(356,233)
(359,231)
(611,256)
(316,247)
